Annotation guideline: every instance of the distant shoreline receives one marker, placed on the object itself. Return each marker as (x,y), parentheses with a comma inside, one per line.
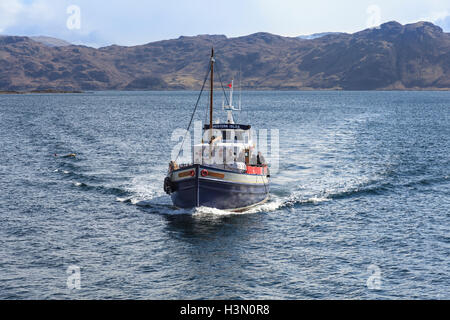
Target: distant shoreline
(39,91)
(247,90)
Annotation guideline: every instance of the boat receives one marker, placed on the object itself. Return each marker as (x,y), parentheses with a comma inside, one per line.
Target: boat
(226,172)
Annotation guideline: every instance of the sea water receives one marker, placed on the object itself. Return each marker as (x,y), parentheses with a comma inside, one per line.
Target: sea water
(359,207)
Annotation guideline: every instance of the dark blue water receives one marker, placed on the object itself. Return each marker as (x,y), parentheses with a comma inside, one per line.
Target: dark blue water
(363,184)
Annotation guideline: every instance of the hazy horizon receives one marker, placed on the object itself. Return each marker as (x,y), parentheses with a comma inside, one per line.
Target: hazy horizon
(133,23)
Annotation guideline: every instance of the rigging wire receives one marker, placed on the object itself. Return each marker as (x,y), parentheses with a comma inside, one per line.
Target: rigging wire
(195,109)
(198,100)
(221,83)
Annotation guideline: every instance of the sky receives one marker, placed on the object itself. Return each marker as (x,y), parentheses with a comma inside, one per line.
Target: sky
(132,22)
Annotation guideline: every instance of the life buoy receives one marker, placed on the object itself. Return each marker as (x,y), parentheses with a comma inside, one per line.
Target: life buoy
(192,173)
(205,173)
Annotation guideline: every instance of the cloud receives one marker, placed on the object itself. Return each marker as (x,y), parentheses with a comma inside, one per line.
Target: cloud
(9,9)
(134,22)
(16,14)
(48,18)
(440,18)
(435,16)
(444,24)
(443,21)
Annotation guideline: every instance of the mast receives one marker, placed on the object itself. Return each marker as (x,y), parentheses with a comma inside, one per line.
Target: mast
(212,98)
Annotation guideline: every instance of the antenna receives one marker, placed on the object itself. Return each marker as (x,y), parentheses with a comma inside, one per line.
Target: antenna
(240,88)
(231,93)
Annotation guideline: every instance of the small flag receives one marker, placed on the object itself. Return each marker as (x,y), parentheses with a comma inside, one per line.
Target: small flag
(230,85)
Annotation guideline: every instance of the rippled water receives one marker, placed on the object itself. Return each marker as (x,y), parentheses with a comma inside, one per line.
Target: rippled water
(363,182)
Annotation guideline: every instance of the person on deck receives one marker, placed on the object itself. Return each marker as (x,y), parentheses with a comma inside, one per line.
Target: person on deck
(260,161)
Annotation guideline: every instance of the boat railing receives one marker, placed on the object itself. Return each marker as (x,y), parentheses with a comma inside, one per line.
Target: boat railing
(250,168)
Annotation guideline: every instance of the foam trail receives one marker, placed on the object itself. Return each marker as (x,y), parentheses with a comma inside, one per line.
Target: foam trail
(143,190)
(273,204)
(205,211)
(147,193)
(124,200)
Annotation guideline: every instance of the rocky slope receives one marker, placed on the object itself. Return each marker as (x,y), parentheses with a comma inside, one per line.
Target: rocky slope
(394,56)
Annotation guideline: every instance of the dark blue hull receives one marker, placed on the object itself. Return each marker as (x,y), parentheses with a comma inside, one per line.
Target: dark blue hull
(197,191)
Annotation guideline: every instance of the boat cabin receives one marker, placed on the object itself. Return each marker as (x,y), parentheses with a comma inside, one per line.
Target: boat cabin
(231,148)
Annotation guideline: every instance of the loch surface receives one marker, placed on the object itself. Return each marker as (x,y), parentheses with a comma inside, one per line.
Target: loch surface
(359,207)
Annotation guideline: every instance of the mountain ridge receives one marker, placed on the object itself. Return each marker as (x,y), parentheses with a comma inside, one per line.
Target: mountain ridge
(390,57)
